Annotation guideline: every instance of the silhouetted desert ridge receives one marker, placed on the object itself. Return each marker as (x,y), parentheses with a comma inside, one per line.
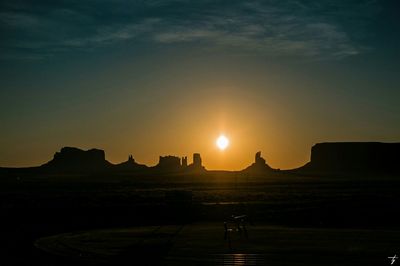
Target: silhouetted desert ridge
(335,157)
(76,160)
(354,157)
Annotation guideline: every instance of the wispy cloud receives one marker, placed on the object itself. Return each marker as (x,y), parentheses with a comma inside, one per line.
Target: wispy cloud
(264,30)
(317,30)
(107,35)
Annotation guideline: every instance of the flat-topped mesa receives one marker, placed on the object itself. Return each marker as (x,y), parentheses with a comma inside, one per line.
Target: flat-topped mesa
(259,166)
(353,157)
(172,164)
(169,164)
(71,159)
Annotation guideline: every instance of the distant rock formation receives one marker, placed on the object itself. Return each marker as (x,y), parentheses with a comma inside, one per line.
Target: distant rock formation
(71,159)
(259,166)
(197,160)
(76,161)
(129,165)
(259,160)
(197,165)
(184,162)
(326,158)
(169,164)
(354,157)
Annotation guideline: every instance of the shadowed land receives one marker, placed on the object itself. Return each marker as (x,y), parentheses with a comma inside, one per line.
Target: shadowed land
(34,209)
(203,244)
(164,217)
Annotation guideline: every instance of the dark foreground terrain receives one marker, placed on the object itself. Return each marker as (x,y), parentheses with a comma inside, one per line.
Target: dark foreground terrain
(165,220)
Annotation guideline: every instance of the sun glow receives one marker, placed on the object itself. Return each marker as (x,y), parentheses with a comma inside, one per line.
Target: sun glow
(222,142)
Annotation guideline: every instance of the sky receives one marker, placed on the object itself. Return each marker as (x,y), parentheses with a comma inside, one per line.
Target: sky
(154,77)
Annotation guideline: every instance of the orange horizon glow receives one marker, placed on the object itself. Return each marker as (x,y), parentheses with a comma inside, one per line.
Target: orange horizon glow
(159,124)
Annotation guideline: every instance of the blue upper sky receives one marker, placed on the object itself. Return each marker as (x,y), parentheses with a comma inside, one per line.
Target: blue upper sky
(313,29)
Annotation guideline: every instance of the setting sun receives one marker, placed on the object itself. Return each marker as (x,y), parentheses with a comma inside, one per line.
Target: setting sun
(222,142)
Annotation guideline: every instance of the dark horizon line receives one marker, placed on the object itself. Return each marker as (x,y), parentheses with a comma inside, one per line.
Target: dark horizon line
(338,156)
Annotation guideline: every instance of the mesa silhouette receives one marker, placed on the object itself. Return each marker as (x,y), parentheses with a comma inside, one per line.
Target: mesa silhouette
(354,158)
(326,158)
(74,160)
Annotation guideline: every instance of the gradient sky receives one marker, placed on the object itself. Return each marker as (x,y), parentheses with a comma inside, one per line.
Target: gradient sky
(152,78)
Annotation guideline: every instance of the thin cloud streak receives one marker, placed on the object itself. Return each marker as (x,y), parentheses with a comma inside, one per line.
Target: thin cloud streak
(254,28)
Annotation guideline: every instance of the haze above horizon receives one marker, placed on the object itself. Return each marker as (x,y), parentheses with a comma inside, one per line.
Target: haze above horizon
(153,78)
